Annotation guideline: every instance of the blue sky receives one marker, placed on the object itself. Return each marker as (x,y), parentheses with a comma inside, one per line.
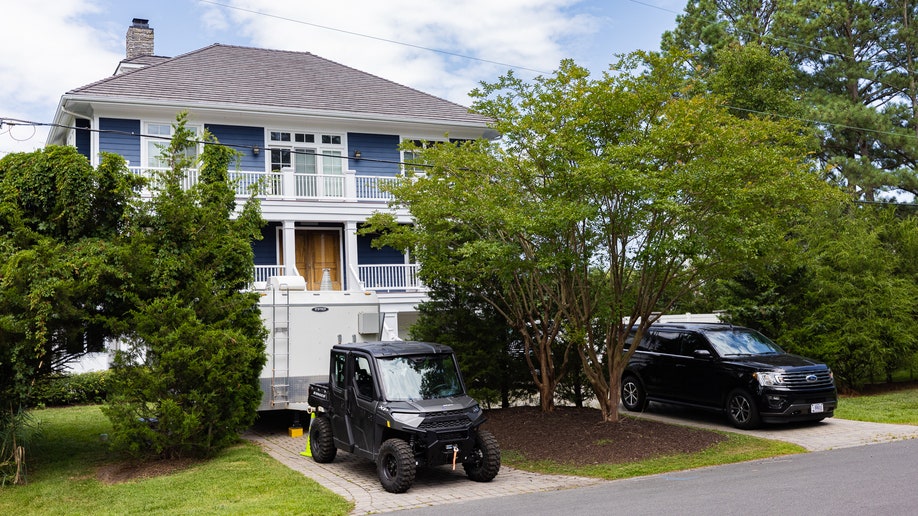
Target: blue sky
(53,46)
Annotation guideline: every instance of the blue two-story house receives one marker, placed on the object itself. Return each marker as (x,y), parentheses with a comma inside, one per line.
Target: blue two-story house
(320,137)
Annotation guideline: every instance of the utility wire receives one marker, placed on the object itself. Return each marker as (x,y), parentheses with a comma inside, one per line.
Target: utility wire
(19,122)
(376,38)
(14,121)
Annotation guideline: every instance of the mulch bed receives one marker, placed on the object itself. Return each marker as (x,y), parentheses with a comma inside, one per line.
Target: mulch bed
(578,436)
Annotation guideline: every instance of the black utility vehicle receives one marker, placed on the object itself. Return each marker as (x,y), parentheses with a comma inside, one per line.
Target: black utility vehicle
(400,404)
(729,368)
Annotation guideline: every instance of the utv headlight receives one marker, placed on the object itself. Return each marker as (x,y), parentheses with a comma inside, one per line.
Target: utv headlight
(408,419)
(769,379)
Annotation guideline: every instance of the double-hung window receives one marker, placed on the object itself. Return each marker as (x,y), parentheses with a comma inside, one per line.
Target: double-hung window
(315,159)
(411,160)
(157,136)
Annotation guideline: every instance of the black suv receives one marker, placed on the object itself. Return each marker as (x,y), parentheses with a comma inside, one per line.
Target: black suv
(729,368)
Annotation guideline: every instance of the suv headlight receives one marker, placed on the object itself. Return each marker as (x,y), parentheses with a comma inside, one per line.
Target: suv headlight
(769,379)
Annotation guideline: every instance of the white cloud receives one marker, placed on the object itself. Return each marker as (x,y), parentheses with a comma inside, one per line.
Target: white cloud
(47,50)
(54,46)
(526,33)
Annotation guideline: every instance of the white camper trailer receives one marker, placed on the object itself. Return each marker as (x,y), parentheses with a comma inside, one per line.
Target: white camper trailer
(303,325)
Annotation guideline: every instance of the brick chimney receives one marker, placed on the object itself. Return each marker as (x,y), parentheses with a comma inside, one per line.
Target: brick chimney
(139,39)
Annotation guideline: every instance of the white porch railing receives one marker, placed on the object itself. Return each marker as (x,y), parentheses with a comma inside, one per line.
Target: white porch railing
(370,277)
(263,272)
(288,184)
(390,277)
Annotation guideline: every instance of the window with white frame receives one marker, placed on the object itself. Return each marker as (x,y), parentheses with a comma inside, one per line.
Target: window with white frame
(411,163)
(316,160)
(156,138)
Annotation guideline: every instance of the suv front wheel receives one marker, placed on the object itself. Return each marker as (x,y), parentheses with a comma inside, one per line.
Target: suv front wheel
(741,410)
(634,398)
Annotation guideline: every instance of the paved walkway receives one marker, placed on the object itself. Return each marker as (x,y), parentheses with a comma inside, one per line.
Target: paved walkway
(356,480)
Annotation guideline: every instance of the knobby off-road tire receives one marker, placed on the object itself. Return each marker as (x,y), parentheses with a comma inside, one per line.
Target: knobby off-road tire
(396,466)
(485,457)
(321,442)
(741,410)
(634,398)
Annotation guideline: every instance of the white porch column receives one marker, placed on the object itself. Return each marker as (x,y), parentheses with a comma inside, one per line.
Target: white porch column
(289,249)
(350,186)
(350,256)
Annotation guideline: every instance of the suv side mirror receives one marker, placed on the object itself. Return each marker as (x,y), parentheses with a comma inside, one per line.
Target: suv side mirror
(702,353)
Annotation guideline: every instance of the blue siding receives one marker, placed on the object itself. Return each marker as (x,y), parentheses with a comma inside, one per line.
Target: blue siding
(242,139)
(266,248)
(83,140)
(124,140)
(367,255)
(373,147)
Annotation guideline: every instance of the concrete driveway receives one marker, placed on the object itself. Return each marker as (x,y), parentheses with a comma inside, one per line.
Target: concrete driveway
(830,434)
(356,480)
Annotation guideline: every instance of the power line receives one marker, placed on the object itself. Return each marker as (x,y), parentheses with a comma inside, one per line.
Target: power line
(376,38)
(776,39)
(19,122)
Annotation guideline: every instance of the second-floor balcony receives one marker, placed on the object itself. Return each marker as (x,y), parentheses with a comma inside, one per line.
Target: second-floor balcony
(287,184)
(379,278)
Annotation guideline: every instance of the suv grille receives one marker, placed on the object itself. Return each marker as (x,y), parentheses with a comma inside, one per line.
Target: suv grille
(798,380)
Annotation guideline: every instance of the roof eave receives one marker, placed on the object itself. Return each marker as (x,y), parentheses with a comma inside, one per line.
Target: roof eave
(267,110)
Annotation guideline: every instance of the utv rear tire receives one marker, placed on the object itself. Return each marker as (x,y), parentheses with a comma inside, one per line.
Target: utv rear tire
(396,466)
(321,441)
(741,410)
(485,457)
(634,399)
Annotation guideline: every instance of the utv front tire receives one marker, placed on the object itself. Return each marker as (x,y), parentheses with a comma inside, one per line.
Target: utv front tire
(485,458)
(321,442)
(396,466)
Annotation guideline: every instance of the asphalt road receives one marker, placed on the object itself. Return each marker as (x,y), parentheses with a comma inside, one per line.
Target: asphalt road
(863,480)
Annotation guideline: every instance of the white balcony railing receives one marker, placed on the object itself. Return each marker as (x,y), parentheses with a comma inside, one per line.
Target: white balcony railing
(390,277)
(288,184)
(386,278)
(263,272)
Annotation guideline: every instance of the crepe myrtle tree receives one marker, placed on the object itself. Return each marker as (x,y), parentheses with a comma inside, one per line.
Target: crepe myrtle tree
(606,201)
(187,380)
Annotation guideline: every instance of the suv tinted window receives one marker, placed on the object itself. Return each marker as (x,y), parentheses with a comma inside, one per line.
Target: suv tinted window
(664,342)
(692,342)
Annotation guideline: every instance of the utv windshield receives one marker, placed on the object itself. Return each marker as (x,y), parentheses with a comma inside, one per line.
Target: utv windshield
(419,377)
(741,342)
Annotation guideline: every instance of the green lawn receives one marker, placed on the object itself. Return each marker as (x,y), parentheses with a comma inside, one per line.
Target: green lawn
(63,466)
(892,407)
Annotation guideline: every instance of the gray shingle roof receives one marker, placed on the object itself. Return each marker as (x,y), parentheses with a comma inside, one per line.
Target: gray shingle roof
(278,79)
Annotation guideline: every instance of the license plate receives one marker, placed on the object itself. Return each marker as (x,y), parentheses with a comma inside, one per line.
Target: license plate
(816,408)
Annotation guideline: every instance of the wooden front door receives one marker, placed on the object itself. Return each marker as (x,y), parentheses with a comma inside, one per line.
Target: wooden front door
(316,251)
